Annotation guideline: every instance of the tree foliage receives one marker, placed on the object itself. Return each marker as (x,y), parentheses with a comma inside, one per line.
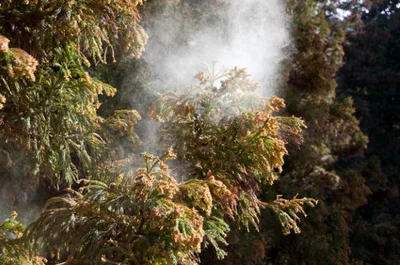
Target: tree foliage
(50,131)
(322,167)
(232,133)
(147,217)
(12,247)
(226,145)
(370,75)
(144,218)
(94,29)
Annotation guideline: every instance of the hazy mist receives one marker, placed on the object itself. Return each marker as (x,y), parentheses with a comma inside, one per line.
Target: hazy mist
(252,35)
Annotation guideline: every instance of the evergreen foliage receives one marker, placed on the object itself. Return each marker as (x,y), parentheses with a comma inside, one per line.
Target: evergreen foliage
(147,217)
(50,131)
(114,203)
(320,168)
(49,117)
(12,248)
(144,218)
(370,75)
(231,133)
(333,136)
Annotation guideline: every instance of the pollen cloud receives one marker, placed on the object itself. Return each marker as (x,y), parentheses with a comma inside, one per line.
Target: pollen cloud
(250,35)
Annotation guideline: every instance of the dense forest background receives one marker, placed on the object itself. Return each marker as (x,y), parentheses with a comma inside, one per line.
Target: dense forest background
(117,146)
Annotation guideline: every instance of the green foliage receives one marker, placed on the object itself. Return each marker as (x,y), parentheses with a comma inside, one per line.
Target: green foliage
(12,249)
(288,212)
(230,145)
(370,75)
(321,168)
(94,29)
(50,131)
(55,113)
(232,134)
(146,217)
